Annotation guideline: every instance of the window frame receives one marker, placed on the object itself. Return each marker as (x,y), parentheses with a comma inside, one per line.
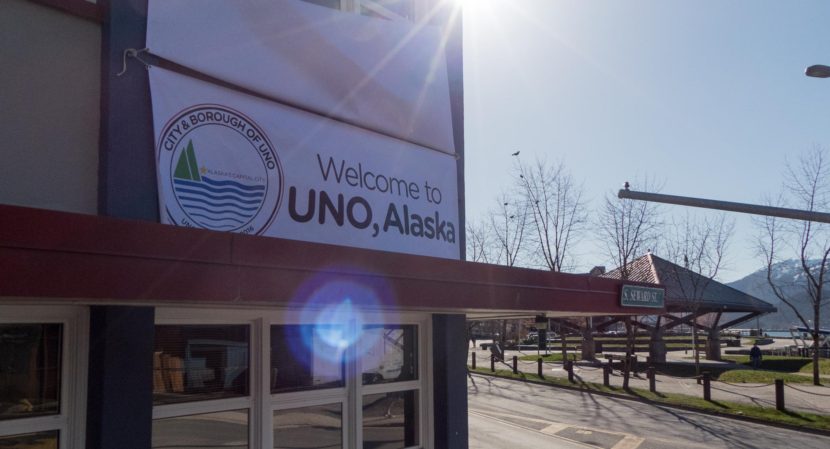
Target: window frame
(70,421)
(261,403)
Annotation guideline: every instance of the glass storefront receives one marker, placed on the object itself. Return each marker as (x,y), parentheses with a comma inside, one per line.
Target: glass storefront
(305,385)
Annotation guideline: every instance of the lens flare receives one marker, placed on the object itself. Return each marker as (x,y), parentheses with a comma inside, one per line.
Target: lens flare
(333,314)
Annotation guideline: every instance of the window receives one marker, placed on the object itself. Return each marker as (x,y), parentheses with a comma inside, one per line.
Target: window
(319,426)
(390,420)
(271,379)
(391,391)
(227,429)
(30,359)
(42,376)
(389,354)
(197,363)
(301,358)
(202,383)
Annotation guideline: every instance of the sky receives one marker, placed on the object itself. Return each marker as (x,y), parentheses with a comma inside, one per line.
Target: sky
(708,97)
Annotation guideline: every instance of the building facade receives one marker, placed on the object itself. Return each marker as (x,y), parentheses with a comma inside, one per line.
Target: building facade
(118,330)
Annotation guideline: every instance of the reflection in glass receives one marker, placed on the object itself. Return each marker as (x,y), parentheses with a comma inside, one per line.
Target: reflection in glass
(39,440)
(30,368)
(303,359)
(316,427)
(196,362)
(390,421)
(389,354)
(228,429)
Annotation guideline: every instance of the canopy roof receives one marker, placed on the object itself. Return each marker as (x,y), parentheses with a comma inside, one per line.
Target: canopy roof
(688,291)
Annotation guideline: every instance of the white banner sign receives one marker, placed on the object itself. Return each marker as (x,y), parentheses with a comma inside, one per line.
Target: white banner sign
(231,162)
(386,75)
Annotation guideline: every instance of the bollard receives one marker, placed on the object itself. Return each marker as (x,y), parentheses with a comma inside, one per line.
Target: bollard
(779,394)
(474,360)
(515,364)
(707,390)
(569,366)
(493,363)
(539,368)
(606,375)
(652,382)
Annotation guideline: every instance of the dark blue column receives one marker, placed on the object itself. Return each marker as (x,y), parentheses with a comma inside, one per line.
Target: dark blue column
(126,168)
(449,361)
(120,392)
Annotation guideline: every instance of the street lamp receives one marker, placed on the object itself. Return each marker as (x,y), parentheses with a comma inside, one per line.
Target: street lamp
(818,71)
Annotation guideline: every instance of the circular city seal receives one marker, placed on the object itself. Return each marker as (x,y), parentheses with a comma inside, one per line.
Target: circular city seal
(218,170)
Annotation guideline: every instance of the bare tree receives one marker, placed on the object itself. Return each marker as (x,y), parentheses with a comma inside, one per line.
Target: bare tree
(807,186)
(627,228)
(481,245)
(697,246)
(556,210)
(508,224)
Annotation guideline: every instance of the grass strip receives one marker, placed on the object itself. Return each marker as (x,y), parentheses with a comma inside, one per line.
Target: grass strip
(739,410)
(784,364)
(551,357)
(765,377)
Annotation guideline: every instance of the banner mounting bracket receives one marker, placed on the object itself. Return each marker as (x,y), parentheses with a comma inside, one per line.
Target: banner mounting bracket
(133,53)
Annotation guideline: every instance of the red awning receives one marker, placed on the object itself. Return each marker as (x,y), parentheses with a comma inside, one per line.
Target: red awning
(48,255)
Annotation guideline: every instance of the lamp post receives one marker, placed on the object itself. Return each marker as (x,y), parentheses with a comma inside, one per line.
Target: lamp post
(818,71)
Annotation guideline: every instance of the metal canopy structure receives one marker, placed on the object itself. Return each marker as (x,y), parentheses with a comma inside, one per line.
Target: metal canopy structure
(691,297)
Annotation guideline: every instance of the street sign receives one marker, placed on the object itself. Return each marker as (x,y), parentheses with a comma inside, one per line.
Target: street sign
(637,296)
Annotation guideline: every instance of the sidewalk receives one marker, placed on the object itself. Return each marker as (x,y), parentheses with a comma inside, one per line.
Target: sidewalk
(798,397)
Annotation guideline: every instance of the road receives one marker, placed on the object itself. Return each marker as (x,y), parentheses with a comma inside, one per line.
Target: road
(519,415)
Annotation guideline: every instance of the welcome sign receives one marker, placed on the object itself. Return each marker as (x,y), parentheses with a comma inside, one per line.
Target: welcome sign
(238,163)
(228,161)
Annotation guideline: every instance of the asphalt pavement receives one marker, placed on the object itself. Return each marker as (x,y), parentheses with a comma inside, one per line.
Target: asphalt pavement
(518,415)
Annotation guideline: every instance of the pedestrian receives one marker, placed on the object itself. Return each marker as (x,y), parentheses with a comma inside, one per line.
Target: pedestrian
(496,351)
(755,356)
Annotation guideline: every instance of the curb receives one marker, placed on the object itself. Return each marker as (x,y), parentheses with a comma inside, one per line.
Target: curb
(661,404)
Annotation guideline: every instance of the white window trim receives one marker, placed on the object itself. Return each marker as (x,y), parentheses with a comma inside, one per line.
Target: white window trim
(71,420)
(261,403)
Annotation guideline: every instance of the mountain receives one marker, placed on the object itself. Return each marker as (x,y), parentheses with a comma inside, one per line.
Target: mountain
(789,276)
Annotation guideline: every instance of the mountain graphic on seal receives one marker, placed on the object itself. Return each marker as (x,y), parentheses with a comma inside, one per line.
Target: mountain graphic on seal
(214,204)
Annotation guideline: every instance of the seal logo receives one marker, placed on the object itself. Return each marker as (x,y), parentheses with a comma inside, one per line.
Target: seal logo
(218,170)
